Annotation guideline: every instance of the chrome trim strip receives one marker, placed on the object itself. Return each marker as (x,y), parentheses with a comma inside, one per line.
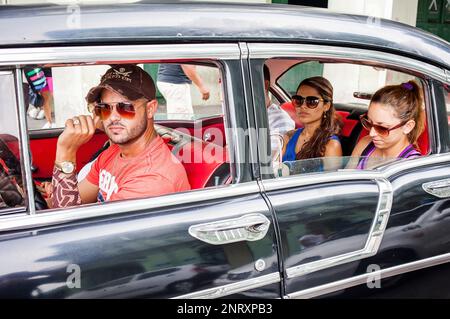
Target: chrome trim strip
(350,174)
(252,134)
(114,53)
(364,278)
(53,217)
(234,288)
(24,143)
(373,240)
(282,50)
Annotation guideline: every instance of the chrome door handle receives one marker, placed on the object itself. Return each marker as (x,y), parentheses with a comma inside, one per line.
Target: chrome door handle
(440,188)
(249,227)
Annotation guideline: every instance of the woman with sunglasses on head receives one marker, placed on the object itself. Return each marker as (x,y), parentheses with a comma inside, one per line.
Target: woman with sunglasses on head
(318,138)
(395,120)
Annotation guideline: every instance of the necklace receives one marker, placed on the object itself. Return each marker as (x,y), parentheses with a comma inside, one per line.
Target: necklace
(304,138)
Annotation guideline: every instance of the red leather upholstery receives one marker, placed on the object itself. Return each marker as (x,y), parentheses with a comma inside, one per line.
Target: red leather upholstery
(290,109)
(201,161)
(12,142)
(212,126)
(43,151)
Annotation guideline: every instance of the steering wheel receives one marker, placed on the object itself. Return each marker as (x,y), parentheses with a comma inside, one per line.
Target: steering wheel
(14,168)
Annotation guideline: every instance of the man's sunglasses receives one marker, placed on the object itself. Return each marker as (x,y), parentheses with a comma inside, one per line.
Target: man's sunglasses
(381,130)
(103,110)
(311,101)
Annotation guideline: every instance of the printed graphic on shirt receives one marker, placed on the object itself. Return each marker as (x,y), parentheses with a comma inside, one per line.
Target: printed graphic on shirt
(107,184)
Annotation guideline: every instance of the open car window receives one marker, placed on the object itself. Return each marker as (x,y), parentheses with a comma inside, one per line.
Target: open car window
(360,80)
(193,128)
(351,98)
(55,94)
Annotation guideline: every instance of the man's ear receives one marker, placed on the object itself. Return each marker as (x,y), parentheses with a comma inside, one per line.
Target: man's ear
(409,126)
(151,106)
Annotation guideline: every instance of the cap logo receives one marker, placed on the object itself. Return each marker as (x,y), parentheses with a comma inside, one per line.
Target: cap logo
(119,74)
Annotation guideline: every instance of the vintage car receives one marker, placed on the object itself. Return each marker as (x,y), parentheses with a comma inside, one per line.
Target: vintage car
(251,226)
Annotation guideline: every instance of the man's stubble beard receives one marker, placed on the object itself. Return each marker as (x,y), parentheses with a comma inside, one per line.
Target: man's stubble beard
(134,133)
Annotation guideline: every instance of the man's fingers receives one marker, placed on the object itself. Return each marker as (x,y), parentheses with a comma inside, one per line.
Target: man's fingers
(83,124)
(69,124)
(78,125)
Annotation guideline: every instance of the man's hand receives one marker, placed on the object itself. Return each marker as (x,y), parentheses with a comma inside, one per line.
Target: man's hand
(79,130)
(205,93)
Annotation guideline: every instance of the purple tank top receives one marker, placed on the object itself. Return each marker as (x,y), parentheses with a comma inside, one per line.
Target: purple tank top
(408,152)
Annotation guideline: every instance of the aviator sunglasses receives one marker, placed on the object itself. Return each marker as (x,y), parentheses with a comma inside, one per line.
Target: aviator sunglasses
(103,110)
(381,130)
(311,101)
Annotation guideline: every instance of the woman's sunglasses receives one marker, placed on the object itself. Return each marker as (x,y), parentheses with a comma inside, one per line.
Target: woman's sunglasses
(311,101)
(126,110)
(381,130)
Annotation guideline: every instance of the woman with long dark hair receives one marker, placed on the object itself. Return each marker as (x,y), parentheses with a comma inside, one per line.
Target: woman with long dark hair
(318,137)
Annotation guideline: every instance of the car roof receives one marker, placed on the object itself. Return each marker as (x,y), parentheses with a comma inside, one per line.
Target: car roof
(45,25)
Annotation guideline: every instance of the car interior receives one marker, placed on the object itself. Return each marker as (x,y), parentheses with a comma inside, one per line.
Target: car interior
(205,133)
(351,97)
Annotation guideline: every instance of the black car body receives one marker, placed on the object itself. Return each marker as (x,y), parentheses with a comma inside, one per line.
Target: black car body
(243,232)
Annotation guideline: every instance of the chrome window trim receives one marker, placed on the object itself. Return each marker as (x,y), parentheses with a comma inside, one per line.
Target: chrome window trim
(381,173)
(252,134)
(24,142)
(226,290)
(373,240)
(311,51)
(364,278)
(115,53)
(54,217)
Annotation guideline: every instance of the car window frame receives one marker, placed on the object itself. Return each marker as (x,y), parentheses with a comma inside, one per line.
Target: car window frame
(426,72)
(16,59)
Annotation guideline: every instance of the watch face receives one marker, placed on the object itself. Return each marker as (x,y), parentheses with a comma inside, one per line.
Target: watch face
(67,167)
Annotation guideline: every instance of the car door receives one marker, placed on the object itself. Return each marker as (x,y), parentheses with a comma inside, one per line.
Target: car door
(207,243)
(349,228)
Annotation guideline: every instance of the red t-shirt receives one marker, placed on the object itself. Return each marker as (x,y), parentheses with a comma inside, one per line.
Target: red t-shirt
(154,172)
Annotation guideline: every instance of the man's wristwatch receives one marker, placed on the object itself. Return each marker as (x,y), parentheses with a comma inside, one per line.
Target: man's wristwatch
(65,167)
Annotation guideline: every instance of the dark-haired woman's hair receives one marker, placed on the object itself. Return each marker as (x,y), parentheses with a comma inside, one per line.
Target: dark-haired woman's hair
(406,100)
(330,124)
